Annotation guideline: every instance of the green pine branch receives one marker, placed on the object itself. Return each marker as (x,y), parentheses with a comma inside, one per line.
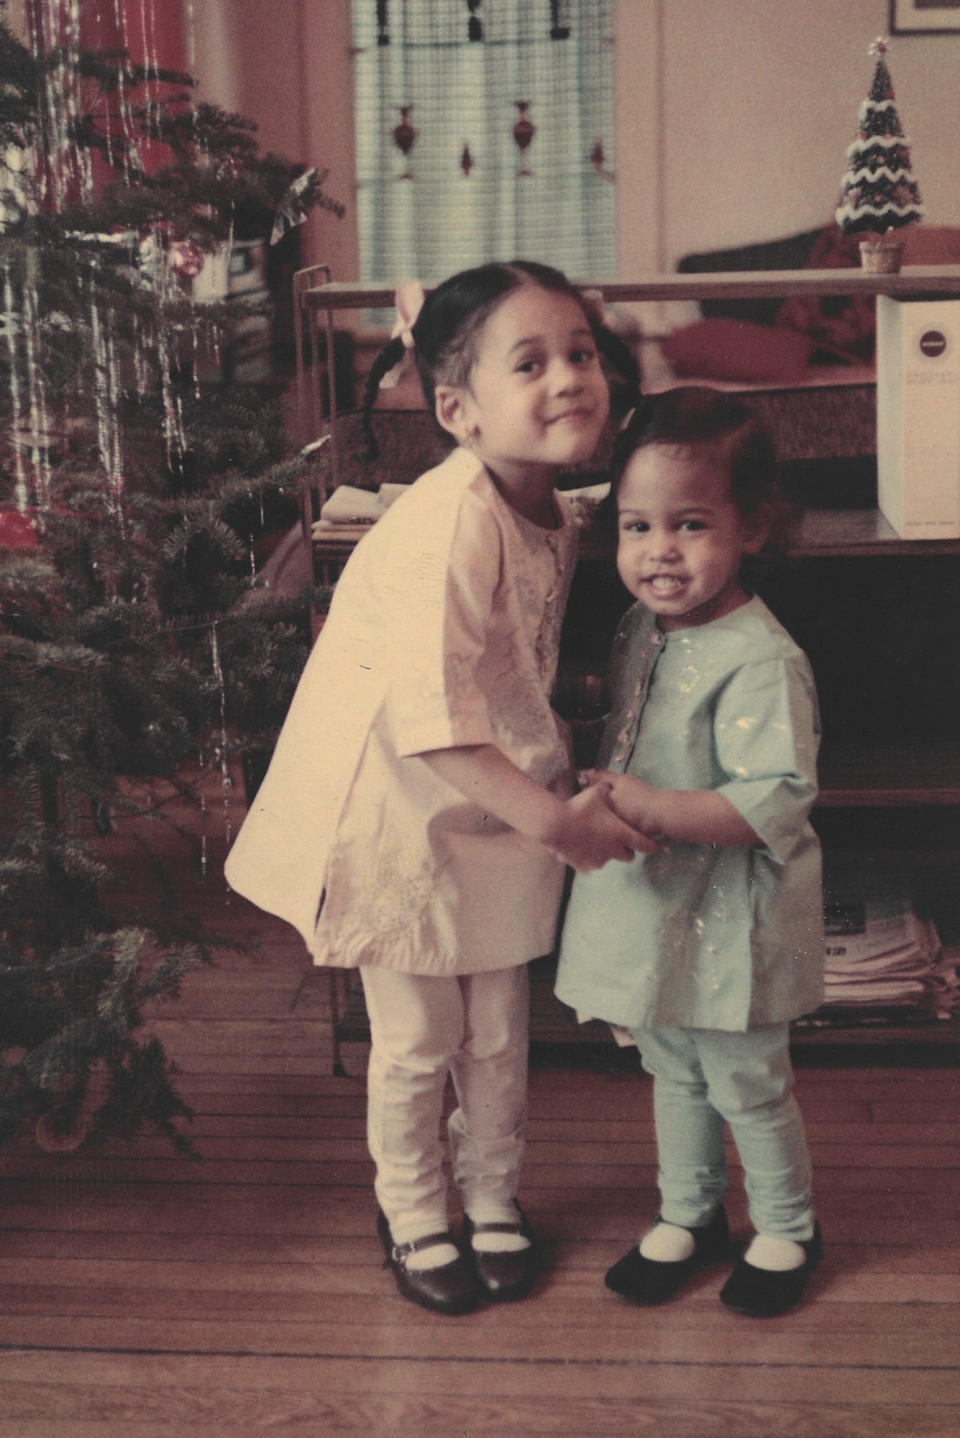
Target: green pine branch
(144,499)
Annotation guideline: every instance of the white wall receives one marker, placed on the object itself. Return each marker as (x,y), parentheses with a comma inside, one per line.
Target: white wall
(286,65)
(733,116)
(761,101)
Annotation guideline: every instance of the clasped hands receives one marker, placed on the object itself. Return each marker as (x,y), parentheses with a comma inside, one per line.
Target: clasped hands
(630,798)
(601,823)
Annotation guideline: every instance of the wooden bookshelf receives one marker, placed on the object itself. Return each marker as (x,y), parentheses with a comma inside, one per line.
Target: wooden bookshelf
(850,533)
(886,775)
(554,1028)
(856,776)
(940,280)
(821,532)
(869,789)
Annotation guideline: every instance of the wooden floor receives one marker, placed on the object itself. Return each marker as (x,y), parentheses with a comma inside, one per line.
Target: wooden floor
(242,1293)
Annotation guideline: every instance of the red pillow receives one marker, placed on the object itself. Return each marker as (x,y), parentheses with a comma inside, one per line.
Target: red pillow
(737,350)
(841,326)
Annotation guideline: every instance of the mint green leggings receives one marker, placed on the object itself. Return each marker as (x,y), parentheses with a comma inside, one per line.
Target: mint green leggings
(704,1078)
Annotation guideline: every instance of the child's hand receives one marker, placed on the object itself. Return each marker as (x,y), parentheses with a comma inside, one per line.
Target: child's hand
(592,834)
(692,816)
(626,795)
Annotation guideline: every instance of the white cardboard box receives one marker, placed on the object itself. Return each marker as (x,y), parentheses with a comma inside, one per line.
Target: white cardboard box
(918,416)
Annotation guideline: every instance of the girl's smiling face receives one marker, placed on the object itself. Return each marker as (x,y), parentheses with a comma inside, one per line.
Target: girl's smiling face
(536,400)
(680,534)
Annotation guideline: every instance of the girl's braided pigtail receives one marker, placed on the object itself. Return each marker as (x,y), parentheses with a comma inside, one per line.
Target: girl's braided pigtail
(393,357)
(626,378)
(388,358)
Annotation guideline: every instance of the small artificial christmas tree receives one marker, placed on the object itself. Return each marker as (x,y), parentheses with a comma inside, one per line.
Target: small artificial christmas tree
(879,193)
(133,498)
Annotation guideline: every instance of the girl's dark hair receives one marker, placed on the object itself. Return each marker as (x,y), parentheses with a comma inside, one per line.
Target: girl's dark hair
(697,415)
(447,329)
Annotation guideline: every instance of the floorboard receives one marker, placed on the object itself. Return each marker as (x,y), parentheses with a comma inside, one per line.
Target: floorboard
(144,1295)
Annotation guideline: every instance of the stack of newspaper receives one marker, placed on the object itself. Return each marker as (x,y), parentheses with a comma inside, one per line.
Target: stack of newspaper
(884,962)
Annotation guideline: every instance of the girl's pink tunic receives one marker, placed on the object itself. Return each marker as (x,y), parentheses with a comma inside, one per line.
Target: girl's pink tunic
(444,631)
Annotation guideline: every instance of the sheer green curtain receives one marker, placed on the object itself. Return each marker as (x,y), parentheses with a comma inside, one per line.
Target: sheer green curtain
(465,191)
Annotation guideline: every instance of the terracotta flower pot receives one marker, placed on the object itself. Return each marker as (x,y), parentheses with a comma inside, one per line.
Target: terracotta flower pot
(883,256)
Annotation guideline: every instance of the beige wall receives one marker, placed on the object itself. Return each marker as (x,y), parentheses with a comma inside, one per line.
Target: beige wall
(761,101)
(733,116)
(286,65)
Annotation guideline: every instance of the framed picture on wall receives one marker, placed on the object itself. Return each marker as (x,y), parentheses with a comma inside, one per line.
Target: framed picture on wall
(924,17)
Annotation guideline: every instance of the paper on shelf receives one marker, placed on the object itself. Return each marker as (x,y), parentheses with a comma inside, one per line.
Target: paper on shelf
(349,505)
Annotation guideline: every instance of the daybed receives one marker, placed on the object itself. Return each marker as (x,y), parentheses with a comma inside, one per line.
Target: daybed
(810,340)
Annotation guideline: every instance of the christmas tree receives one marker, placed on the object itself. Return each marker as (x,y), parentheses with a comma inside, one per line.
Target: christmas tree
(136,487)
(879,193)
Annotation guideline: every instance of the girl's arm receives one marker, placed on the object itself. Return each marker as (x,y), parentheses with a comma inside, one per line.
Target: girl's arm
(583,831)
(694,816)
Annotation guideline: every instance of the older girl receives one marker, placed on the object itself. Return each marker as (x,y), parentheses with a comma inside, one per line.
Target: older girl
(419,811)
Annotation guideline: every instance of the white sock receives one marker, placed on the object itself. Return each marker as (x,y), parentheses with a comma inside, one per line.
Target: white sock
(497,1242)
(667,1243)
(777,1255)
(435,1256)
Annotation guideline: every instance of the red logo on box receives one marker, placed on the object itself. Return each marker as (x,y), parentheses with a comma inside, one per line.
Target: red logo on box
(933,343)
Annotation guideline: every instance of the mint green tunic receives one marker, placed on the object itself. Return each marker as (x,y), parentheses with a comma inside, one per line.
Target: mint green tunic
(698,936)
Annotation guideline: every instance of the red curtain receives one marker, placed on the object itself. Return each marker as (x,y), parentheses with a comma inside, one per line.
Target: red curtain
(114,25)
(150,31)
(101,28)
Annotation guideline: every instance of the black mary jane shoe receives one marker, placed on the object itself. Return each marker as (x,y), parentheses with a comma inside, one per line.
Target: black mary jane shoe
(764,1292)
(650,1280)
(504,1277)
(451,1289)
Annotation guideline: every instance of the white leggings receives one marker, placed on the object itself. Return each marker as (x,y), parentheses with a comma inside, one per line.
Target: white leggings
(474,1028)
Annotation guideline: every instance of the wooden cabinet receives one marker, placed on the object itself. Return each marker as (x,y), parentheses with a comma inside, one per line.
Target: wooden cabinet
(879,618)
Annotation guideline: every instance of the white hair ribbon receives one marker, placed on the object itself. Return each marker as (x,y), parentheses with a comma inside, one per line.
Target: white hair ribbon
(593,304)
(408,299)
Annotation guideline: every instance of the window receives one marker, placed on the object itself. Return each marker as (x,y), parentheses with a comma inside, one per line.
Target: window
(484,131)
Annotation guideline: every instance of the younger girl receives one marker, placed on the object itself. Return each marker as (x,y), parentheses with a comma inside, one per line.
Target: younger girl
(419,809)
(706,948)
